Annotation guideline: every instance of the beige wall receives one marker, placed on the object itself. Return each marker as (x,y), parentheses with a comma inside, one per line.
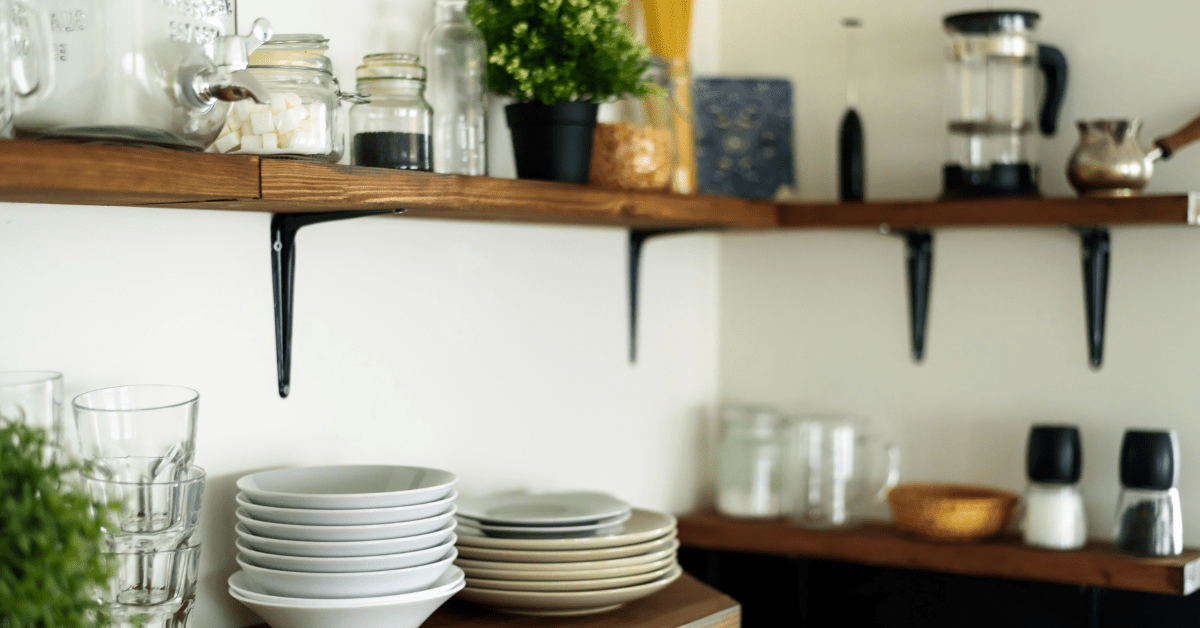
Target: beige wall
(817,320)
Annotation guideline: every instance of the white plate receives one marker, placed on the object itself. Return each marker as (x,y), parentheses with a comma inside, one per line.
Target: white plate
(346,585)
(667,551)
(348,517)
(566,574)
(347,486)
(535,509)
(346,564)
(644,525)
(564,602)
(240,583)
(565,556)
(376,532)
(333,549)
(401,614)
(598,584)
(603,528)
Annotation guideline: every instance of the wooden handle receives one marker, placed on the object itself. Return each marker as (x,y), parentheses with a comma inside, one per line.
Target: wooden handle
(1180,138)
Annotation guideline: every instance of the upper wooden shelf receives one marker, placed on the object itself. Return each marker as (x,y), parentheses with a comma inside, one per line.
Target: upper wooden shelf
(1098,564)
(93,174)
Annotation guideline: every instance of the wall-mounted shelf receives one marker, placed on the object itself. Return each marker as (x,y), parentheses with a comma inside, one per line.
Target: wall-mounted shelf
(1097,565)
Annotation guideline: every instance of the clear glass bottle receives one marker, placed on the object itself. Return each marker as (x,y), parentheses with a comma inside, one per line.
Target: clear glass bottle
(304,116)
(750,462)
(392,129)
(456,56)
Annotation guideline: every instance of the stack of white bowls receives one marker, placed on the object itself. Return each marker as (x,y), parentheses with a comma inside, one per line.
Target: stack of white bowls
(562,553)
(360,545)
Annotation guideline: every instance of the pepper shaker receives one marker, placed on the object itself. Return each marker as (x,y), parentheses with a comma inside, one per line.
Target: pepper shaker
(1054,515)
(1149,522)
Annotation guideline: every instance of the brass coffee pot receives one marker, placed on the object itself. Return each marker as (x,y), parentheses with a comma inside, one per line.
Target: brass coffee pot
(1110,161)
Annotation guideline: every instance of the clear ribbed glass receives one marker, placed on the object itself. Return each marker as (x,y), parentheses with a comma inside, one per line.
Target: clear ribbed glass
(456,58)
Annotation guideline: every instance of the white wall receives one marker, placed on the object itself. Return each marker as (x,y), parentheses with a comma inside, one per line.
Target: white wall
(817,320)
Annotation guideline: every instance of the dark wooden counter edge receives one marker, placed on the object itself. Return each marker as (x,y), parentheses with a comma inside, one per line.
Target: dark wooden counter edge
(687,600)
(1098,564)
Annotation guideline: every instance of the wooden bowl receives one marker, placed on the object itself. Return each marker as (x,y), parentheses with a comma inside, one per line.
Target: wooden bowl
(955,513)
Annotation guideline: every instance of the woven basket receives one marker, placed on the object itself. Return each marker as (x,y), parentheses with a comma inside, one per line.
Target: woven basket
(951,512)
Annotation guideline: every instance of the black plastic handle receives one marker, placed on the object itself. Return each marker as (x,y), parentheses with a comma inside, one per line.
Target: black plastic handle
(850,157)
(1053,64)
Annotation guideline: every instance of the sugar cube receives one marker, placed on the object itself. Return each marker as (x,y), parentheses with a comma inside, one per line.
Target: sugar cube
(292,100)
(277,103)
(287,140)
(261,122)
(227,142)
(289,120)
(251,142)
(241,110)
(246,129)
(257,108)
(270,141)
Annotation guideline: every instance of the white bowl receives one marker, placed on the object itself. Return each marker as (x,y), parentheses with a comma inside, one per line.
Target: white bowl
(409,613)
(343,533)
(349,564)
(240,583)
(347,486)
(348,517)
(336,549)
(347,585)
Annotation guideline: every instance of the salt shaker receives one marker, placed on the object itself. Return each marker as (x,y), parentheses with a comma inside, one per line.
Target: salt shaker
(1149,522)
(1054,516)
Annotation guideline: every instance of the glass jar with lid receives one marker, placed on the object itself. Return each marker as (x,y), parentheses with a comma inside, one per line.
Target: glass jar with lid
(750,460)
(304,116)
(393,127)
(634,148)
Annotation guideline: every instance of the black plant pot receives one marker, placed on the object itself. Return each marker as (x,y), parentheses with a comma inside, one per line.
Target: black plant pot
(552,142)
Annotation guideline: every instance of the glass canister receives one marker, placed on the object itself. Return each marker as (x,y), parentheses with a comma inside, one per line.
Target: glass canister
(636,150)
(750,462)
(1149,514)
(303,115)
(393,128)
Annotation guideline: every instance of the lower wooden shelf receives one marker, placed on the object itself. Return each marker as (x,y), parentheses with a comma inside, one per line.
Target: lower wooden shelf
(1098,564)
(687,603)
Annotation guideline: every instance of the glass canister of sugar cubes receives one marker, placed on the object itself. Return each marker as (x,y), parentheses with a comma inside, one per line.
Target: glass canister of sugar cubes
(304,118)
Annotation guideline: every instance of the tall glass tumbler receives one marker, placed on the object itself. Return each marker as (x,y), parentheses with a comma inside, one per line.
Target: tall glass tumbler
(148,517)
(33,398)
(153,590)
(141,433)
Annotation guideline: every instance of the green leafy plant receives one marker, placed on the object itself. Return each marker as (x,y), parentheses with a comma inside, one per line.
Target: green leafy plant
(560,50)
(52,565)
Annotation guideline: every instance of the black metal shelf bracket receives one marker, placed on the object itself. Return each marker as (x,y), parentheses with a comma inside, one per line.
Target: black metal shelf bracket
(637,239)
(919,264)
(283,275)
(1095,249)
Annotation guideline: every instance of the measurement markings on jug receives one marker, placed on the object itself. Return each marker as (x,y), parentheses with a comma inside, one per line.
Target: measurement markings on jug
(68,21)
(193,33)
(201,9)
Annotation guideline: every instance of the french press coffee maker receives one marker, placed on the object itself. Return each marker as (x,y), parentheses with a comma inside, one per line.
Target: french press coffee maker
(993,116)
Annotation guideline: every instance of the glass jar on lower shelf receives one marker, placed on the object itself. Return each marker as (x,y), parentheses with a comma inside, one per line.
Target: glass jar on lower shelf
(304,117)
(750,462)
(393,128)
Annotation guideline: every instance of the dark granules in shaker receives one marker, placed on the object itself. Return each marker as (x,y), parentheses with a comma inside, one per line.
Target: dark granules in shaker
(392,149)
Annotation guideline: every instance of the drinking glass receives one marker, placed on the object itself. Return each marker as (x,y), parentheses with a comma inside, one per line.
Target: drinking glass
(33,398)
(149,517)
(834,466)
(143,433)
(153,589)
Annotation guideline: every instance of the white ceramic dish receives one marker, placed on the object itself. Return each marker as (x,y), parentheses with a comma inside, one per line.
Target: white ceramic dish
(602,528)
(347,486)
(666,552)
(347,585)
(564,602)
(538,509)
(401,614)
(335,549)
(241,584)
(344,517)
(565,556)
(598,584)
(375,532)
(643,525)
(352,564)
(566,574)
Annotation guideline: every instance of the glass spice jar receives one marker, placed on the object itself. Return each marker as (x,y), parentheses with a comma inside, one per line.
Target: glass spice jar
(636,150)
(304,117)
(393,127)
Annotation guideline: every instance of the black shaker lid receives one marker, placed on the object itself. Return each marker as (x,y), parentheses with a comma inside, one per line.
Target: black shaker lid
(1149,459)
(1054,454)
(985,22)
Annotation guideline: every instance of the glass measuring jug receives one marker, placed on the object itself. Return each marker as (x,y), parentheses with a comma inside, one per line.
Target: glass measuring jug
(833,467)
(26,65)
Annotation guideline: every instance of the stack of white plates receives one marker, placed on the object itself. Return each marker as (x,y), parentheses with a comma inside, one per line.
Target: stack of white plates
(346,545)
(562,553)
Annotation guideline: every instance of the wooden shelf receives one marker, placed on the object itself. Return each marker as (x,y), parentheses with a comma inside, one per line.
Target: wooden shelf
(92,174)
(1098,564)
(687,603)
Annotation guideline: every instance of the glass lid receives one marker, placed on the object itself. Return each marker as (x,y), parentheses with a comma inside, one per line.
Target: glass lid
(294,50)
(391,65)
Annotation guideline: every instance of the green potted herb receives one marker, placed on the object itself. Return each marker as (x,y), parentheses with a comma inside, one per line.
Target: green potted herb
(558,59)
(52,565)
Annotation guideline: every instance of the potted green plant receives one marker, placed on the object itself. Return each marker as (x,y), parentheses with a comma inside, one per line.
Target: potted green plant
(558,59)
(52,565)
